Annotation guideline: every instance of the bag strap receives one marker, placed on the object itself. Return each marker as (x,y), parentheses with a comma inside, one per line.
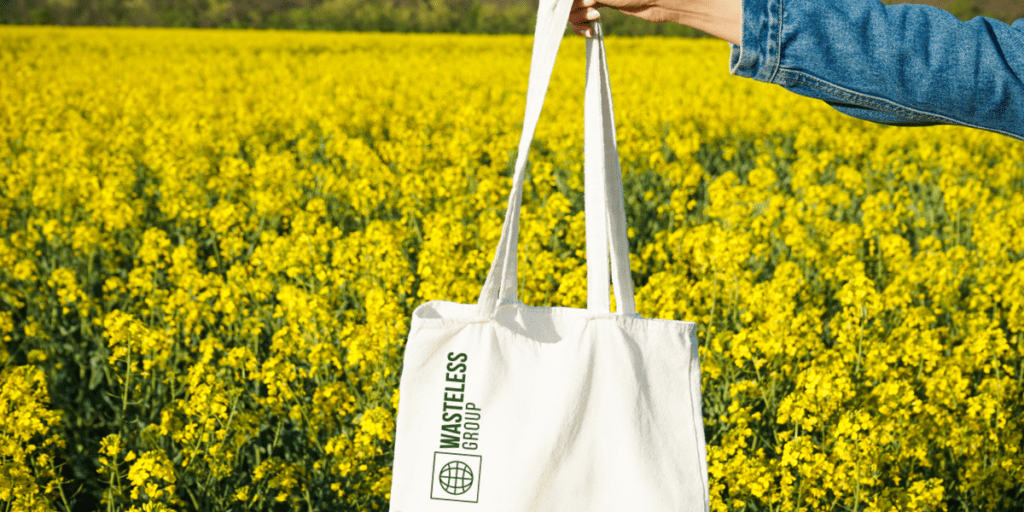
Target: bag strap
(552,16)
(603,198)
(605,211)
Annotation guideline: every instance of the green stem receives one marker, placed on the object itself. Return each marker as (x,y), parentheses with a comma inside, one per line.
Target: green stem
(856,492)
(309,500)
(60,487)
(127,385)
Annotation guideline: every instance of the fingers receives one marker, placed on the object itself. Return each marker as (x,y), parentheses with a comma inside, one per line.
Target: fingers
(583,30)
(584,15)
(583,12)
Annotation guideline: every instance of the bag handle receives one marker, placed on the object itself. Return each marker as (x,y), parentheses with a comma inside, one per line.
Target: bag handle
(603,198)
(605,211)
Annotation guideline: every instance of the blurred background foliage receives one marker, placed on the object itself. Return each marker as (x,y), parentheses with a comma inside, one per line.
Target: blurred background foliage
(458,16)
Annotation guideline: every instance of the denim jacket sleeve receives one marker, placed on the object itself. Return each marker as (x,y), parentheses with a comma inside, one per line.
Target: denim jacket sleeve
(908,65)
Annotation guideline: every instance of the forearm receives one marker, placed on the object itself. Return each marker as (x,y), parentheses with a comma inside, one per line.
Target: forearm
(903,64)
(720,18)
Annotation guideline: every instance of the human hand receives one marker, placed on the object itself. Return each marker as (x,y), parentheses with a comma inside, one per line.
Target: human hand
(720,18)
(657,11)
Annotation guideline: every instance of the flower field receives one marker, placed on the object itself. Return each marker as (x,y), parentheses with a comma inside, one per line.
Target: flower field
(211,243)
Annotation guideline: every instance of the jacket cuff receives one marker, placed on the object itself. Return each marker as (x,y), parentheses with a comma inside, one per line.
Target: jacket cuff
(759,55)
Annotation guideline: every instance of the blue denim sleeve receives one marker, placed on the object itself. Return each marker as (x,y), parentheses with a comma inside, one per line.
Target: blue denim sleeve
(908,65)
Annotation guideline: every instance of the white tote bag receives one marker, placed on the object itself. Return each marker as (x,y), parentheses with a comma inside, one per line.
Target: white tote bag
(508,407)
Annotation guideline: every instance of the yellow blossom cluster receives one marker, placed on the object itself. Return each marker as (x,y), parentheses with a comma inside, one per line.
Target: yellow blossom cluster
(211,243)
(30,442)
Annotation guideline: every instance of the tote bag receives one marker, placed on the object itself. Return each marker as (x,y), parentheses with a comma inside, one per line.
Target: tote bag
(508,407)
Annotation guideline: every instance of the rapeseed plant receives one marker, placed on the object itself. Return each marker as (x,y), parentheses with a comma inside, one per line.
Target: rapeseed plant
(212,243)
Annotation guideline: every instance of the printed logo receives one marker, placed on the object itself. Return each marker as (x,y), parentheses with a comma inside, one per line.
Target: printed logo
(456,477)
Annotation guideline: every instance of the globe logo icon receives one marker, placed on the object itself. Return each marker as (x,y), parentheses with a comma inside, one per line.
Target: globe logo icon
(456,477)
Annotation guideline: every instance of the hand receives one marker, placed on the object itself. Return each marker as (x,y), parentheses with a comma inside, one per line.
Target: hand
(720,18)
(585,11)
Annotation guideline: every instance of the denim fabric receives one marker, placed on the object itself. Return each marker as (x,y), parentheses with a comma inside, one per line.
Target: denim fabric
(907,65)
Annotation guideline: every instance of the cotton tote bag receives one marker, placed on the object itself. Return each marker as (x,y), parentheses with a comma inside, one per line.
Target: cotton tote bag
(508,407)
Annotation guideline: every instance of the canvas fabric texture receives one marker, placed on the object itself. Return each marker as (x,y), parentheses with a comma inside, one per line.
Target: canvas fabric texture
(508,407)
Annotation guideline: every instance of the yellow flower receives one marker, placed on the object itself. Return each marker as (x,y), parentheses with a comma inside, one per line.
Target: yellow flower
(251,223)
